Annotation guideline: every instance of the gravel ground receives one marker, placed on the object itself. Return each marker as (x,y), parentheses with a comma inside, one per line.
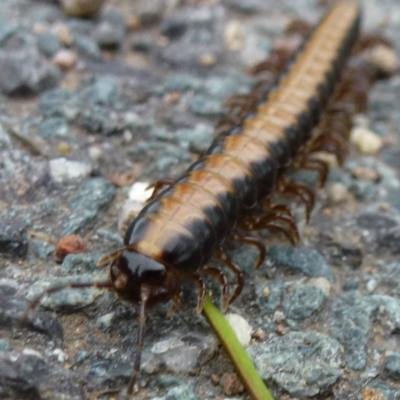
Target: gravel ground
(89,106)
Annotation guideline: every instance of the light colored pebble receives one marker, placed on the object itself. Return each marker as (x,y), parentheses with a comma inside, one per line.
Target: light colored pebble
(366,174)
(105,321)
(140,192)
(31,352)
(366,141)
(65,59)
(60,355)
(63,33)
(129,211)
(234,35)
(338,193)
(95,152)
(82,8)
(62,170)
(279,316)
(241,327)
(371,285)
(385,59)
(321,283)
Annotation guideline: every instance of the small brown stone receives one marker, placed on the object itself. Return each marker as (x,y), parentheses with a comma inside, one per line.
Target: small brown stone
(215,379)
(232,384)
(366,174)
(259,335)
(70,244)
(82,8)
(207,60)
(65,59)
(370,393)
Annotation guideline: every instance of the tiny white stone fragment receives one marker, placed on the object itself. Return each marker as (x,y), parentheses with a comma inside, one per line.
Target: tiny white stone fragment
(60,355)
(241,327)
(140,192)
(62,170)
(366,141)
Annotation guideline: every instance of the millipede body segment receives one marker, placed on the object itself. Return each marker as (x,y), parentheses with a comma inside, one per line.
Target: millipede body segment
(185,224)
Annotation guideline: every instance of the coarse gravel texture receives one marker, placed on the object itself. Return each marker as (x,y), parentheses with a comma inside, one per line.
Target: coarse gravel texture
(140,102)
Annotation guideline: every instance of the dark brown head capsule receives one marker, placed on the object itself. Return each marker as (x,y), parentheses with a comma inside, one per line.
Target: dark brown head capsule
(142,280)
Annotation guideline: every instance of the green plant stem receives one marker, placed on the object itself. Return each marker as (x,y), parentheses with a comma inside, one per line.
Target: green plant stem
(240,359)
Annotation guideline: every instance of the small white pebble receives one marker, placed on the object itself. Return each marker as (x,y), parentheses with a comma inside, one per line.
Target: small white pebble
(338,193)
(371,285)
(31,352)
(129,211)
(139,192)
(241,327)
(366,141)
(60,355)
(234,35)
(95,152)
(62,170)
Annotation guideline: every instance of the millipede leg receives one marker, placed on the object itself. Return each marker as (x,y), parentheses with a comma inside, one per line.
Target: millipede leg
(295,189)
(221,256)
(159,185)
(176,302)
(319,166)
(196,279)
(252,241)
(274,222)
(218,274)
(278,208)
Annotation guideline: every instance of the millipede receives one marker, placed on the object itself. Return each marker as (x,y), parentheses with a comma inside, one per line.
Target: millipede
(302,104)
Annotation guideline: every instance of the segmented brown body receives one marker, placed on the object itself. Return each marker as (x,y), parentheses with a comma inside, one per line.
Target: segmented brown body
(185,224)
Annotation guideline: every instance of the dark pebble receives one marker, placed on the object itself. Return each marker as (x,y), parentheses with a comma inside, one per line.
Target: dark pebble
(95,194)
(392,366)
(303,302)
(55,103)
(375,221)
(86,46)
(351,322)
(13,239)
(181,392)
(5,345)
(25,73)
(77,263)
(42,250)
(270,303)
(390,240)
(308,261)
(108,35)
(68,298)
(186,54)
(48,44)
(24,376)
(7,28)
(53,128)
(301,363)
(173,28)
(248,6)
(103,91)
(206,106)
